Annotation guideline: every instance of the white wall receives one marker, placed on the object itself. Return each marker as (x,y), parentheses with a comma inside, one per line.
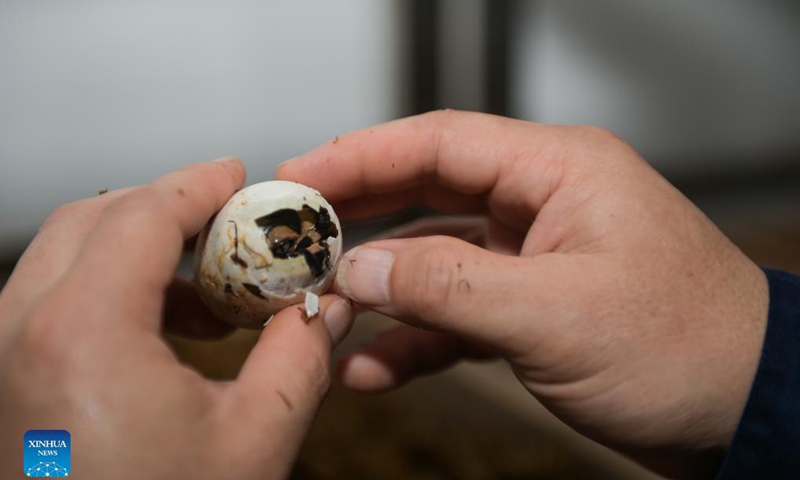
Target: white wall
(692,84)
(100,94)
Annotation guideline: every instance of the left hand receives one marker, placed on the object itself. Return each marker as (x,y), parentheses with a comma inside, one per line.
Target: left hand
(81,349)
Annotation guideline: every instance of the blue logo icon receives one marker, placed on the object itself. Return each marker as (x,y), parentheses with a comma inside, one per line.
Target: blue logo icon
(47,453)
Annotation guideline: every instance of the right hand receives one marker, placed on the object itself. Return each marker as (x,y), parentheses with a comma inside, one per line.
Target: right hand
(619,305)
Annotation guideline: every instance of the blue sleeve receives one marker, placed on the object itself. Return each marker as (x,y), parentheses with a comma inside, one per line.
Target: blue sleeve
(767,441)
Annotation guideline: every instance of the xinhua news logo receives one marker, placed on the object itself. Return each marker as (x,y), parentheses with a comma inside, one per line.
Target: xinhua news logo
(47,453)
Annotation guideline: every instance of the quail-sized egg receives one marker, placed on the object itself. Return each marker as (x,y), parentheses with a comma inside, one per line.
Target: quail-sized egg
(270,245)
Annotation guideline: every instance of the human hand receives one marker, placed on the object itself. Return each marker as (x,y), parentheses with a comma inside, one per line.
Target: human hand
(618,304)
(81,350)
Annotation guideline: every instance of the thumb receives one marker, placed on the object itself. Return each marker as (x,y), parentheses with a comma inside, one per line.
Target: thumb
(445,284)
(287,374)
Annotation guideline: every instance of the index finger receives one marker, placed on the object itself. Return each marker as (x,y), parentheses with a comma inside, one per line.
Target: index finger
(469,153)
(134,250)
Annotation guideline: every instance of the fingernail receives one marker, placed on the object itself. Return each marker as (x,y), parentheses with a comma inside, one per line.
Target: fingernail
(226,160)
(338,319)
(364,275)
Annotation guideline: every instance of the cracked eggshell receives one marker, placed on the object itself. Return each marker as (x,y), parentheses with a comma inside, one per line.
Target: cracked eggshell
(270,244)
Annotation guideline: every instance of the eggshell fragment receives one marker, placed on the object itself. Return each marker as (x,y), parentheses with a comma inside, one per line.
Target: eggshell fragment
(311,304)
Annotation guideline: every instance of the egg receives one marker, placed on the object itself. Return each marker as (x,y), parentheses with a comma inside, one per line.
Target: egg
(270,245)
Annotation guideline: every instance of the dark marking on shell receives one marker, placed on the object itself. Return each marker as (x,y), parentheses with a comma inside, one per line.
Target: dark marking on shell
(235,258)
(253,289)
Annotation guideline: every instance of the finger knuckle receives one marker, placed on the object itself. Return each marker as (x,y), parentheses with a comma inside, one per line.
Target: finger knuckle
(209,174)
(207,185)
(438,279)
(602,143)
(442,117)
(599,134)
(44,342)
(65,212)
(316,367)
(137,209)
(198,172)
(143,199)
(440,122)
(603,149)
(434,127)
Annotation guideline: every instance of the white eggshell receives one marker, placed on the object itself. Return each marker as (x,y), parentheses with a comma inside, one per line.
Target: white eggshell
(312,304)
(238,275)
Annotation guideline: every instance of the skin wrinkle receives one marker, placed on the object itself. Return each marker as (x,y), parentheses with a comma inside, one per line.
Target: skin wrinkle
(437,130)
(614,381)
(501,238)
(531,168)
(558,238)
(533,203)
(286,400)
(515,180)
(499,213)
(442,133)
(436,283)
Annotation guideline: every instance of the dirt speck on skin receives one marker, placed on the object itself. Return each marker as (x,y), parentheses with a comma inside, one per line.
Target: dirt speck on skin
(102,191)
(335,140)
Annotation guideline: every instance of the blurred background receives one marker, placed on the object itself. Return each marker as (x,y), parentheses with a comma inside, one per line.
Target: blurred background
(97,95)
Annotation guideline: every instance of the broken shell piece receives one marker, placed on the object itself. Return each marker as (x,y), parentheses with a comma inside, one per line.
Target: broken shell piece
(311,304)
(269,246)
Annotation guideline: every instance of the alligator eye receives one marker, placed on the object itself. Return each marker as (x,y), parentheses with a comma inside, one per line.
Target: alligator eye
(281,238)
